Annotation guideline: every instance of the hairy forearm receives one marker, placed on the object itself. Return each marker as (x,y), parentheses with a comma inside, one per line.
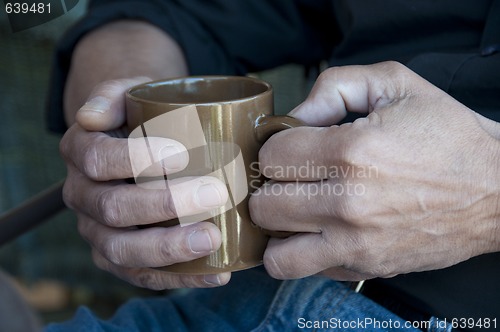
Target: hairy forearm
(120,49)
(496,233)
(497,181)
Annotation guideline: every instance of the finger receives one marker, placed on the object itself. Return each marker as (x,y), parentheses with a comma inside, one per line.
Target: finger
(298,256)
(160,280)
(311,154)
(150,247)
(295,154)
(340,252)
(105,107)
(118,204)
(353,88)
(293,206)
(101,157)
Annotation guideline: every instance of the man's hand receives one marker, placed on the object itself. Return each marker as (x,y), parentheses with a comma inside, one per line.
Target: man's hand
(414,186)
(109,208)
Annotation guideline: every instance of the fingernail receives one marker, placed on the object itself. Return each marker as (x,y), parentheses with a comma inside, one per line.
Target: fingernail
(200,241)
(208,195)
(172,158)
(212,279)
(97,104)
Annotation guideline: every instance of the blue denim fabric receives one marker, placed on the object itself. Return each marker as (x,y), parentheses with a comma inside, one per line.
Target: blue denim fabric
(252,301)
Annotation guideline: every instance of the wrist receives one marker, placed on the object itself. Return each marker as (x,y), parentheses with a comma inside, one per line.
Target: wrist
(492,147)
(121,49)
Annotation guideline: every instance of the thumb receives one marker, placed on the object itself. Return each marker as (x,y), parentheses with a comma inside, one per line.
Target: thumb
(359,89)
(105,107)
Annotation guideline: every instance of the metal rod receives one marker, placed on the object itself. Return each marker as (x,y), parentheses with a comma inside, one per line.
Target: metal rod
(359,286)
(31,213)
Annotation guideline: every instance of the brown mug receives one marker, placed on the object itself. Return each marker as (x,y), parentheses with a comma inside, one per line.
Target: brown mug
(222,121)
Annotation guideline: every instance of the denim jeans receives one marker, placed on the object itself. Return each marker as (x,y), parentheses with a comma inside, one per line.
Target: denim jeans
(252,301)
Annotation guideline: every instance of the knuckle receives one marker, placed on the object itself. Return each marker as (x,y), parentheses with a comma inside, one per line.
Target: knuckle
(359,151)
(354,210)
(394,65)
(150,280)
(100,261)
(158,280)
(338,75)
(350,206)
(83,229)
(345,209)
(254,203)
(107,207)
(66,143)
(326,75)
(264,164)
(64,146)
(115,250)
(379,270)
(361,162)
(189,282)
(68,194)
(109,87)
(200,281)
(169,210)
(166,252)
(90,162)
(365,257)
(393,68)
(398,73)
(274,266)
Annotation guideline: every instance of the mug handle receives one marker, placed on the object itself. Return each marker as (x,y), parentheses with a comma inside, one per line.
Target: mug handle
(267,125)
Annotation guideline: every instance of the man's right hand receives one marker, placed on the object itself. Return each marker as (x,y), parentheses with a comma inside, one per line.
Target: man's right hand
(109,209)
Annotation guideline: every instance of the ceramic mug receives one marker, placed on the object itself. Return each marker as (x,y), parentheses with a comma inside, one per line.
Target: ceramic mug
(222,121)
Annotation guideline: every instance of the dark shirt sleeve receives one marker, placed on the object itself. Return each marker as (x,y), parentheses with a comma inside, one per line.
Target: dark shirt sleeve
(217,37)
(453,44)
(471,78)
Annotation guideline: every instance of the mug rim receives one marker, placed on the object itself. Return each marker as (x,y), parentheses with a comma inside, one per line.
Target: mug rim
(131,96)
